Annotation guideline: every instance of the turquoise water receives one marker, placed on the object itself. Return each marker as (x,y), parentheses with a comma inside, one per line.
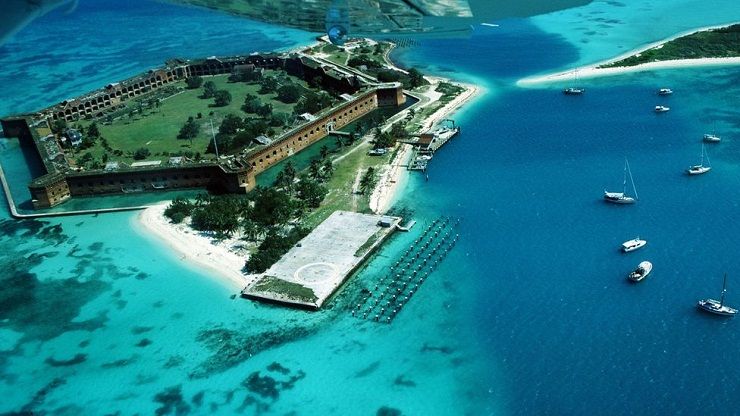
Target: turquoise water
(530,313)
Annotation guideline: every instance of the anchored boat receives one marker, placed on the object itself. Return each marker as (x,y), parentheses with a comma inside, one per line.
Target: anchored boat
(717,307)
(661,109)
(642,271)
(633,244)
(700,168)
(665,91)
(622,197)
(712,138)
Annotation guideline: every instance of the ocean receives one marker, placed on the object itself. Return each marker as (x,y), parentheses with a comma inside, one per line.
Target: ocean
(529,314)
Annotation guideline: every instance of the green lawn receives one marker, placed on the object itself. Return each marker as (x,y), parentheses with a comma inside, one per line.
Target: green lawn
(340,185)
(157,128)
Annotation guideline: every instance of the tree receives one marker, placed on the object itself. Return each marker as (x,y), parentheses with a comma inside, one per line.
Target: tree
(281,119)
(388,76)
(328,168)
(265,110)
(59,126)
(289,93)
(178,209)
(222,98)
(251,104)
(189,131)
(324,152)
(314,170)
(209,89)
(230,124)
(271,207)
(416,78)
(286,177)
(368,181)
(141,153)
(311,191)
(93,131)
(250,229)
(268,85)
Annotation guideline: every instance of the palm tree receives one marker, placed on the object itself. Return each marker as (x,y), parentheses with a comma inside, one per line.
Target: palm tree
(328,168)
(324,152)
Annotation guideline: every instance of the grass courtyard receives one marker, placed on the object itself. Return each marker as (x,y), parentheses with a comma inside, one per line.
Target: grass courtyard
(156,127)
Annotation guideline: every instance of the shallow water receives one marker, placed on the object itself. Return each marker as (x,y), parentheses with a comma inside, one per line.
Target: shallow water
(530,314)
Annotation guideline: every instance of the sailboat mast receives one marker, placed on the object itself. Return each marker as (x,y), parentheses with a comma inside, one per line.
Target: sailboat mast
(724,289)
(624,181)
(627,167)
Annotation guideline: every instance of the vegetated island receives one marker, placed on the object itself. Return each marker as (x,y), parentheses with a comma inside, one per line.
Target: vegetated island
(709,46)
(241,237)
(281,140)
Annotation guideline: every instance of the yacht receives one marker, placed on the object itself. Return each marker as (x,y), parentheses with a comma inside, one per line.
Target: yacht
(665,91)
(633,244)
(622,197)
(661,109)
(573,91)
(700,168)
(712,138)
(642,271)
(717,307)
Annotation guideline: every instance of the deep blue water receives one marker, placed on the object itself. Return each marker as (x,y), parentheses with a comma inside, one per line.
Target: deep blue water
(530,314)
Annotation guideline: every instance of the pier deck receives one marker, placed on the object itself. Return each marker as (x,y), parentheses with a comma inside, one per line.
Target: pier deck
(314,268)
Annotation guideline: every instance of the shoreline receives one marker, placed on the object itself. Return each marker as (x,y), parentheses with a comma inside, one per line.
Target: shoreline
(394,178)
(590,71)
(217,258)
(194,248)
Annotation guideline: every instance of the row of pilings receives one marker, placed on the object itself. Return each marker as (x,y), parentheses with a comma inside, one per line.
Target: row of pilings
(393,290)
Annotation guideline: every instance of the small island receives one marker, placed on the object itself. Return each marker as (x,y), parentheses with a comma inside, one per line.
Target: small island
(297,150)
(710,46)
(722,42)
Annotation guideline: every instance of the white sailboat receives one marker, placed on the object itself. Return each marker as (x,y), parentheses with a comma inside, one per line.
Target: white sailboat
(717,307)
(574,90)
(622,197)
(700,168)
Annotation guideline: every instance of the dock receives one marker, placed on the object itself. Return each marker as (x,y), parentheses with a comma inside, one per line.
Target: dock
(312,270)
(428,143)
(407,227)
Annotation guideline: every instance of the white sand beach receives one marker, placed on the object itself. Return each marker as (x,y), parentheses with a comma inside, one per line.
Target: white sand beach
(593,70)
(220,258)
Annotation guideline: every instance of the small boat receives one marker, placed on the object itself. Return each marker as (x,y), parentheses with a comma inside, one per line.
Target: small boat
(661,109)
(700,168)
(717,307)
(712,138)
(622,197)
(665,91)
(633,244)
(573,91)
(642,271)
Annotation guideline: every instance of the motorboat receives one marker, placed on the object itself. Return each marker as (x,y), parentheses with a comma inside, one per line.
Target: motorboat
(665,91)
(661,109)
(712,138)
(633,244)
(642,271)
(717,307)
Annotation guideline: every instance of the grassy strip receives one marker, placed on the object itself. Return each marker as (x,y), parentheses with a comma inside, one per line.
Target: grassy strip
(293,291)
(362,250)
(716,43)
